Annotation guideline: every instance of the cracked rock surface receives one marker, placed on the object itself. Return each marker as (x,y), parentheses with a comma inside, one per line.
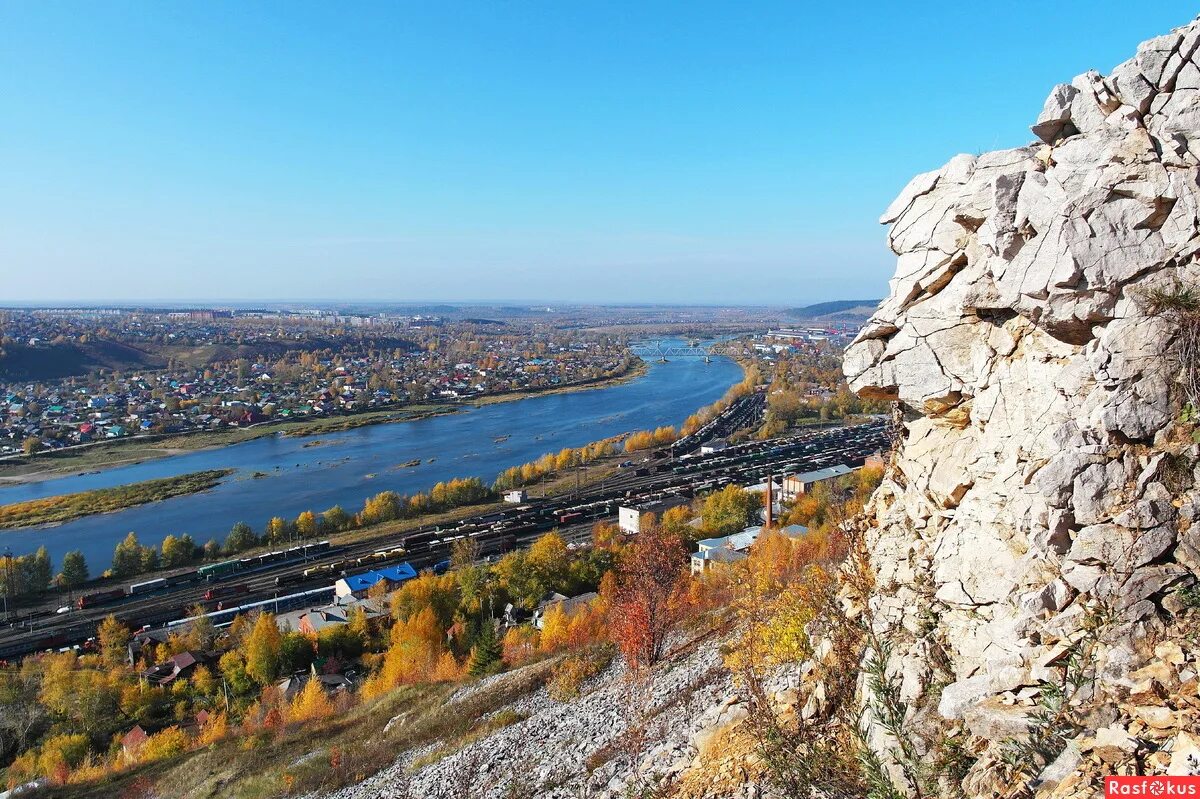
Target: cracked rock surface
(1037,484)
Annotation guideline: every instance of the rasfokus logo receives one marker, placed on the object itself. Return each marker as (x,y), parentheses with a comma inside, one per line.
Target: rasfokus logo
(1151,786)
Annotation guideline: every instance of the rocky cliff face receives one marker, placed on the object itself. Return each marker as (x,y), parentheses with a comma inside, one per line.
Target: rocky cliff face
(1040,523)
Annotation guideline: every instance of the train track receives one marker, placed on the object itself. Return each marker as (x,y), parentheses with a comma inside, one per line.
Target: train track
(663,474)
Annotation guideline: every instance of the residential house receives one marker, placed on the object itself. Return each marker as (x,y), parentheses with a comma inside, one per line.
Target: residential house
(733,548)
(796,484)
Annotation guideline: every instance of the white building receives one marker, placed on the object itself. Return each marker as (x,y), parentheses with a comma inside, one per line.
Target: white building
(629,517)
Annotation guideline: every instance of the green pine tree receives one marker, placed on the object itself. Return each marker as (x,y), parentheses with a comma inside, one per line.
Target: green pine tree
(486,656)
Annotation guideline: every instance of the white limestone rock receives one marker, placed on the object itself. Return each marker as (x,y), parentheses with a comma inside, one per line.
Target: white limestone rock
(1037,389)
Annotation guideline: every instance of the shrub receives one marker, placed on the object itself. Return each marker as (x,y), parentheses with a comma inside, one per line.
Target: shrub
(569,675)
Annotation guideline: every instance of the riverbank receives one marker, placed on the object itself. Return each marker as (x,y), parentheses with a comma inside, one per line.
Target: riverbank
(65,507)
(103,455)
(639,369)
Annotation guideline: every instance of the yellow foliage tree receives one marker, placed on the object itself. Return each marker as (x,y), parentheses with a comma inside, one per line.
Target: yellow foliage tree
(60,754)
(262,649)
(520,644)
(311,704)
(417,644)
(556,628)
(447,669)
(215,729)
(306,524)
(165,743)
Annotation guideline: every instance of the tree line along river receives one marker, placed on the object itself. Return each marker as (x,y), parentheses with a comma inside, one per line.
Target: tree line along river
(315,473)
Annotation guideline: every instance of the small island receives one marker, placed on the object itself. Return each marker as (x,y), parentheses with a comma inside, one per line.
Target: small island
(64,508)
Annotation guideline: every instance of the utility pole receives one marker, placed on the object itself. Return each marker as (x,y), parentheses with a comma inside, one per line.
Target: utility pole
(770,499)
(8,580)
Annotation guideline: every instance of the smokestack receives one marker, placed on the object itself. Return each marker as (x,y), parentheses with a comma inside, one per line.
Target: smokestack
(770,498)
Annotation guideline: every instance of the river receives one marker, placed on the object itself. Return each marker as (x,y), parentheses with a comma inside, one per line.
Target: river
(347,467)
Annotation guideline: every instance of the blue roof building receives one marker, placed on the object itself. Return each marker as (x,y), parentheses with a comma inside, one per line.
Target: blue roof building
(357,585)
(732,548)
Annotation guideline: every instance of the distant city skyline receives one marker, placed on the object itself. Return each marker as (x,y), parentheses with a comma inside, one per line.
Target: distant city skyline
(598,153)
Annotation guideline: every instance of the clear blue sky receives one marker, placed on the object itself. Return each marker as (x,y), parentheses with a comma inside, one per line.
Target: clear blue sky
(558,150)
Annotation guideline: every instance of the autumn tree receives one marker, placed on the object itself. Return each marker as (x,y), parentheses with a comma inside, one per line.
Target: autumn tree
(312,703)
(307,525)
(383,507)
(278,529)
(263,650)
(473,583)
(523,585)
(436,592)
(607,536)
(640,612)
(335,519)
(549,558)
(729,510)
(113,637)
(177,551)
(201,633)
(678,520)
(23,714)
(417,643)
(643,439)
(38,569)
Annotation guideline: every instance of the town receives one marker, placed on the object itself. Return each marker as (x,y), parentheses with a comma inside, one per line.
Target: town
(92,376)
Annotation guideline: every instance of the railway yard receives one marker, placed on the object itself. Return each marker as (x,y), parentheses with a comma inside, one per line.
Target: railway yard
(304,575)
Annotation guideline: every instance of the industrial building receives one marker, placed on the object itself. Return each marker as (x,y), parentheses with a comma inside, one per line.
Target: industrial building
(629,517)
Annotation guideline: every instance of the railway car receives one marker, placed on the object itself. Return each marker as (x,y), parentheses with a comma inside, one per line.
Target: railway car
(289,579)
(25,646)
(99,598)
(497,546)
(569,518)
(183,577)
(223,591)
(148,586)
(218,571)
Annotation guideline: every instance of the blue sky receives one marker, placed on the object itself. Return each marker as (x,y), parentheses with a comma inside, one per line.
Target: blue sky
(595,151)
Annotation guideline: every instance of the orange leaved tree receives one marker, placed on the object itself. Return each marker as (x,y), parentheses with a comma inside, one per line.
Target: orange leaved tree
(639,597)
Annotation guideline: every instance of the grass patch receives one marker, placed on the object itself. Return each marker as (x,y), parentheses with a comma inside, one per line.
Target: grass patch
(330,754)
(1180,302)
(65,507)
(574,670)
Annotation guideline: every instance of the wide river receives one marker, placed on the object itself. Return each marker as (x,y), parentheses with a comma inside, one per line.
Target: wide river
(346,468)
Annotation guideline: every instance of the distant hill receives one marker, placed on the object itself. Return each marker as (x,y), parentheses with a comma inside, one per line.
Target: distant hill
(75,359)
(837,309)
(56,361)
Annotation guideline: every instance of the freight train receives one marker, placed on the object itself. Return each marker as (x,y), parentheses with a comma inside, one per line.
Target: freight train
(211,572)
